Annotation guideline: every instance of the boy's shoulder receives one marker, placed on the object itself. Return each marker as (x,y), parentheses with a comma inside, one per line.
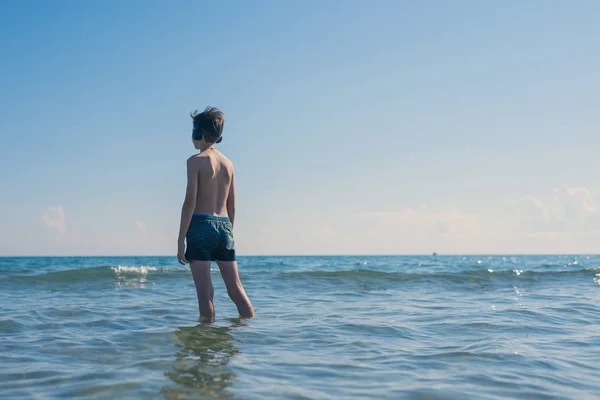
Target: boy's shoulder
(195,162)
(193,159)
(201,158)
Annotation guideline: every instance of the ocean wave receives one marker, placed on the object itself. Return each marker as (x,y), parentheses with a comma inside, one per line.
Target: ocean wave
(102,272)
(459,276)
(143,272)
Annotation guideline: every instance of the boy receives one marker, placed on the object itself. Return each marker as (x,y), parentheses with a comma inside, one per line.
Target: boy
(208,215)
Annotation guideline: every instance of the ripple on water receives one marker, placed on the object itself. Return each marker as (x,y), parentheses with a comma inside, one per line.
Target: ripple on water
(326,327)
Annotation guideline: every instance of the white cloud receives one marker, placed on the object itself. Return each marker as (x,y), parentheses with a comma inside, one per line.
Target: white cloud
(54,218)
(109,235)
(570,210)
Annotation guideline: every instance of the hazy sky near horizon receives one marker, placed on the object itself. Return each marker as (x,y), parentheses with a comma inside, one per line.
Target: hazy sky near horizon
(356,127)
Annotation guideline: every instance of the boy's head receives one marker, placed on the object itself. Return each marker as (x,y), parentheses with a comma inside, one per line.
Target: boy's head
(208,126)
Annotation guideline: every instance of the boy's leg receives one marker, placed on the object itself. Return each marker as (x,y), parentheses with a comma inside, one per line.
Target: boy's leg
(235,290)
(204,288)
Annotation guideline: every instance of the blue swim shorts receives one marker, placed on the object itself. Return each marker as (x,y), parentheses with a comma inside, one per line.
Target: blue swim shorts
(210,238)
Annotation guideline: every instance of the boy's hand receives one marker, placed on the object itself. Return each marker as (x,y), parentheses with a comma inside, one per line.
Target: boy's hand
(181,253)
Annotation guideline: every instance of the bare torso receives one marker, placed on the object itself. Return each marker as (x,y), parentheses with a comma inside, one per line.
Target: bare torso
(215,174)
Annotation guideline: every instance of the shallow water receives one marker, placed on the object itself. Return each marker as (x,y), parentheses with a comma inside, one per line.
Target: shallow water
(326,328)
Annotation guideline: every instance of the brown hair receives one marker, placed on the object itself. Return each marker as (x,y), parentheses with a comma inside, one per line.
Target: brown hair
(208,124)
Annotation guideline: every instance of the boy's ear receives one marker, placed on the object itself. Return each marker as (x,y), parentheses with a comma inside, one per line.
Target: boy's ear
(197,135)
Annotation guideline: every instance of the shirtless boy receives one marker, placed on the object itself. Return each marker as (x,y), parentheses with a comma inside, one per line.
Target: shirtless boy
(208,215)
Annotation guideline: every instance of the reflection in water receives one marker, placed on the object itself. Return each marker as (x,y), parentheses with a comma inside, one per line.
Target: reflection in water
(200,368)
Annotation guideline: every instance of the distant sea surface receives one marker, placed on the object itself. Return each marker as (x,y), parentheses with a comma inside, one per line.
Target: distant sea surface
(472,327)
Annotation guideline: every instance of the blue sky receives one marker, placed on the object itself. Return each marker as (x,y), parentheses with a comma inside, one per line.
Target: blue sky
(355,127)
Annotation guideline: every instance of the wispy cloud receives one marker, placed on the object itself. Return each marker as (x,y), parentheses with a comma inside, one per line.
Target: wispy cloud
(54,218)
(570,210)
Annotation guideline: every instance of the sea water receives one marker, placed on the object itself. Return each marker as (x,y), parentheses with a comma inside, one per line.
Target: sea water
(459,327)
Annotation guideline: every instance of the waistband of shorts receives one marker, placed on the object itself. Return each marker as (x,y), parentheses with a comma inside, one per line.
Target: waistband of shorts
(211,217)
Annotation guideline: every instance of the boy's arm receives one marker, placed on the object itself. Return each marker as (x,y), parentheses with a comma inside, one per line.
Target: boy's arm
(231,201)
(190,199)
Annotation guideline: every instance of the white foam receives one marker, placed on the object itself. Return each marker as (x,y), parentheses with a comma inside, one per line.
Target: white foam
(141,270)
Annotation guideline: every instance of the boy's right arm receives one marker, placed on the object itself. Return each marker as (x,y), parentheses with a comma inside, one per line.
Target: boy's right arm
(231,201)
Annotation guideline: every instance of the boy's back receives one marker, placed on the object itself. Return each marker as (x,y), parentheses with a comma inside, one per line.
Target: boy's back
(215,182)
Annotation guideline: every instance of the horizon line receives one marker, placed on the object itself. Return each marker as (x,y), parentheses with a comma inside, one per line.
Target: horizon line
(433,254)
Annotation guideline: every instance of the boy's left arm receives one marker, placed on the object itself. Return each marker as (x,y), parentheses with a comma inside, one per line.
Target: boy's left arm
(188,207)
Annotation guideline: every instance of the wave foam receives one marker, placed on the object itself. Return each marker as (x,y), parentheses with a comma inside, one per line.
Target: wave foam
(141,270)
